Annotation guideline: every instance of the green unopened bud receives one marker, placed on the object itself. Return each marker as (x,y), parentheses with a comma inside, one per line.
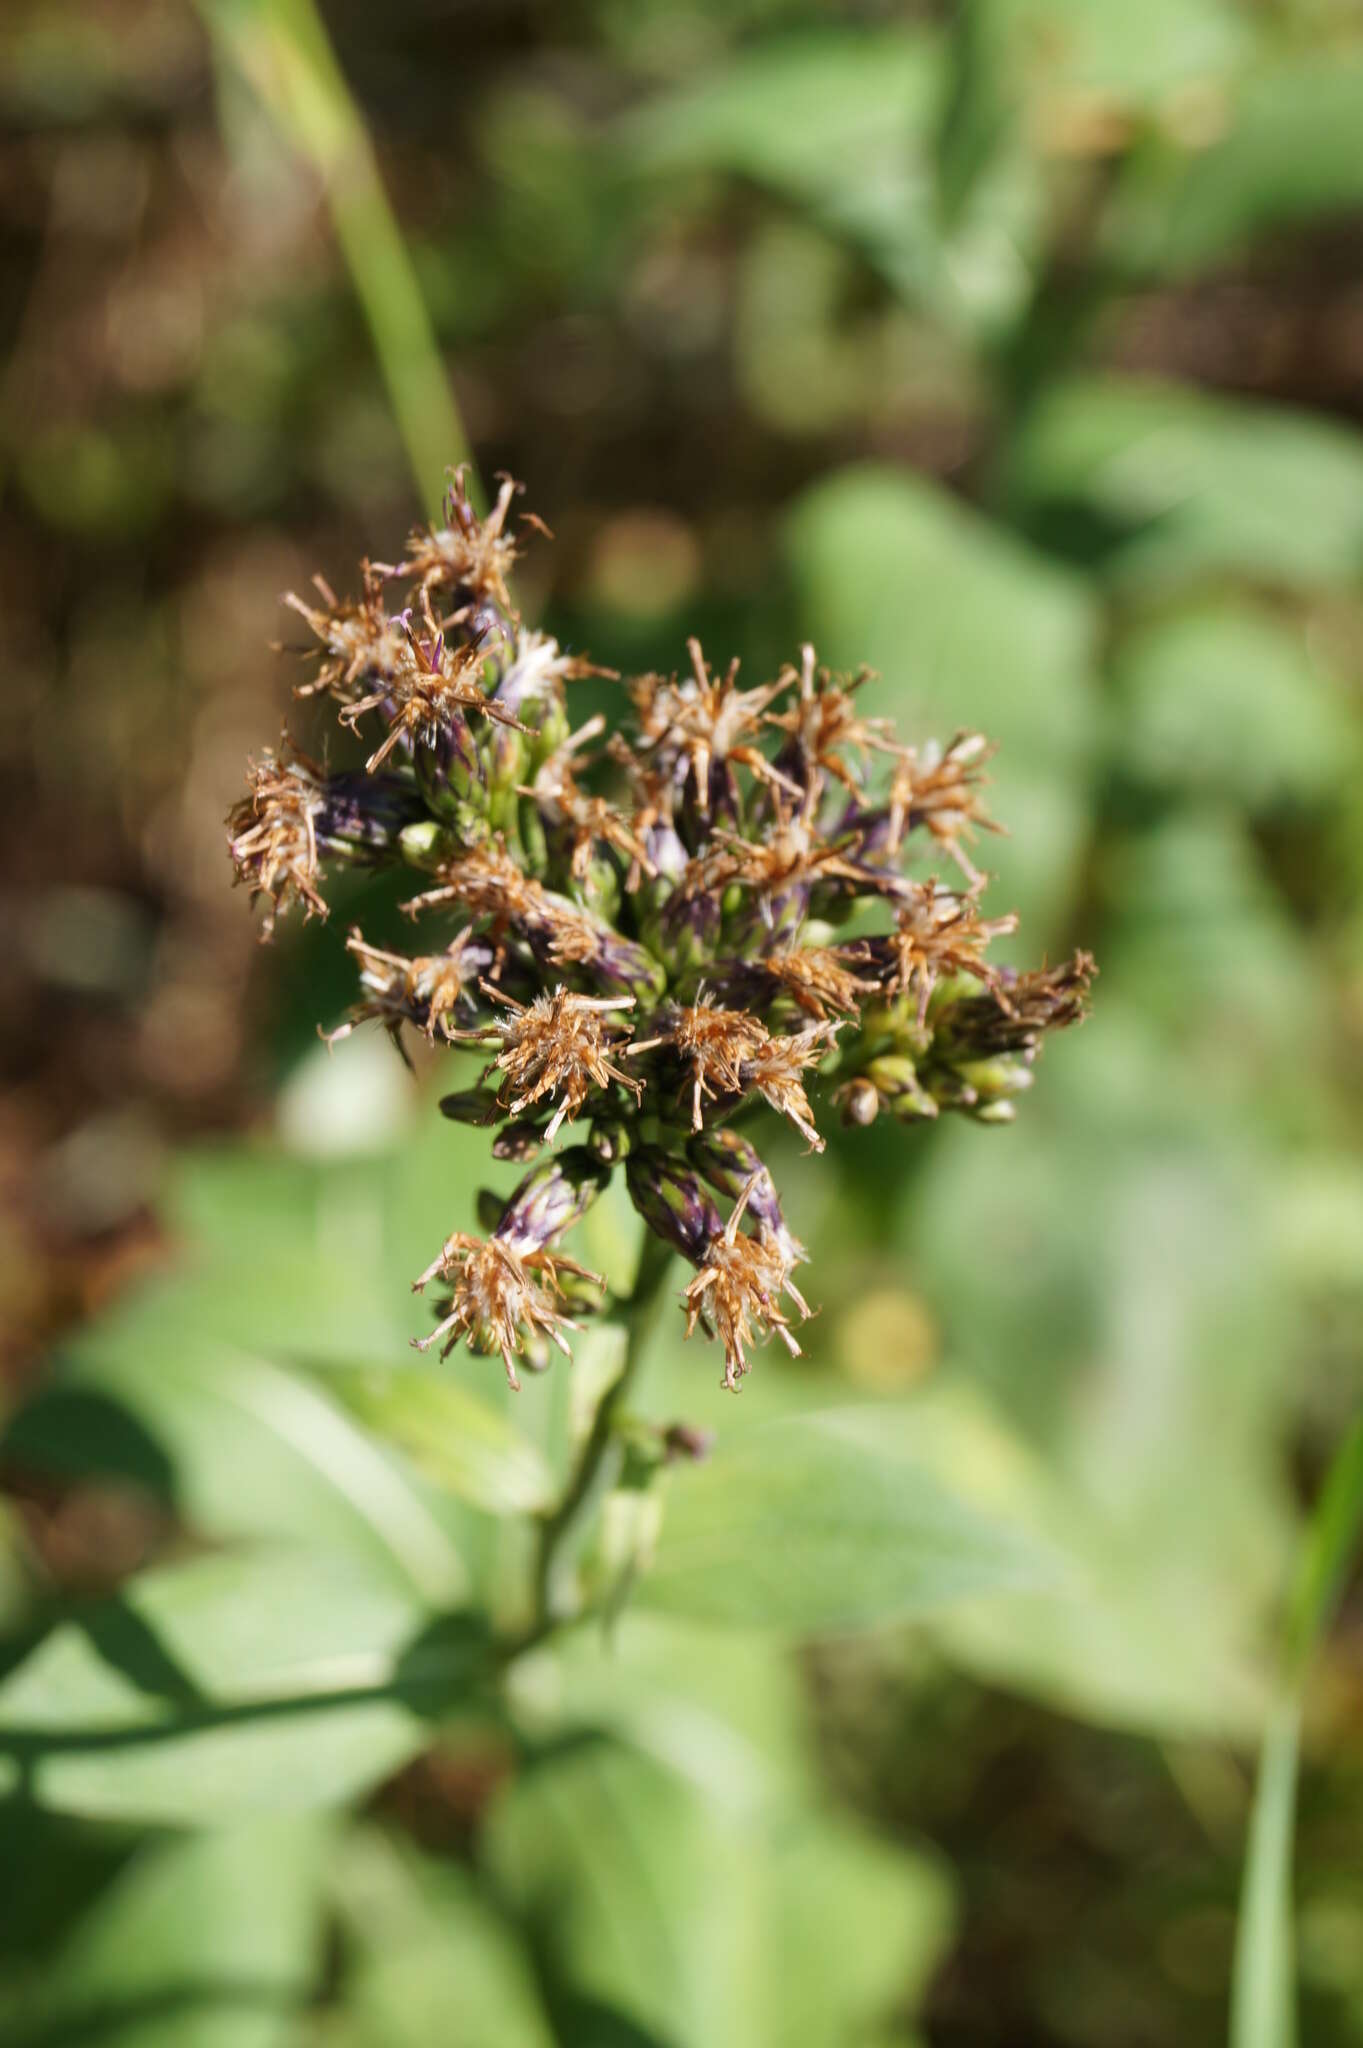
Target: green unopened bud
(895,1080)
(1000,1112)
(993,1079)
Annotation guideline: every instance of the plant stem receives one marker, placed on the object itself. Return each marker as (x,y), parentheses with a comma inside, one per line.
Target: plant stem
(640,1313)
(283,49)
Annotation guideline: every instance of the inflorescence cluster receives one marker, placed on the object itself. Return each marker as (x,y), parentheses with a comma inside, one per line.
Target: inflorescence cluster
(650,933)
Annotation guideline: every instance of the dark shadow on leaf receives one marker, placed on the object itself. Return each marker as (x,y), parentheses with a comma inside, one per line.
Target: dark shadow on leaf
(196,1999)
(77,1433)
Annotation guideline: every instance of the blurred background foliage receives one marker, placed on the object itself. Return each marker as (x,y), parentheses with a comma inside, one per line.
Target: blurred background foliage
(1016,348)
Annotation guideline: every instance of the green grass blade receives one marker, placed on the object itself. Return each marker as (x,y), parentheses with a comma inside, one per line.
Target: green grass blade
(1262,2005)
(1261,1983)
(282,48)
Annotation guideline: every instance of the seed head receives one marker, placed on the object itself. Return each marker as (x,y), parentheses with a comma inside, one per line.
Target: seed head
(502,1299)
(558,1046)
(737,1290)
(272,832)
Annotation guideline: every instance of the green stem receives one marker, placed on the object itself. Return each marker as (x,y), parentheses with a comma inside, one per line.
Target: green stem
(640,1315)
(282,48)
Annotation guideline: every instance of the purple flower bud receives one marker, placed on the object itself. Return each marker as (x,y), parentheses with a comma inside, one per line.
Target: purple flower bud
(550,1200)
(672,1202)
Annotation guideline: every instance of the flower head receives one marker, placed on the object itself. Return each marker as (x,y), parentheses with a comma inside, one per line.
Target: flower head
(641,927)
(737,1293)
(558,1046)
(501,1298)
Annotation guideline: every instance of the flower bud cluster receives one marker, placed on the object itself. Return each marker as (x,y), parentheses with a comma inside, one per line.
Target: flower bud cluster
(652,934)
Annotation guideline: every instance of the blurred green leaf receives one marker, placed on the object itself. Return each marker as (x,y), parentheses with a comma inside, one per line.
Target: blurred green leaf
(431,1964)
(841,124)
(1286,151)
(240,1448)
(1222,702)
(244,1683)
(455,1437)
(1156,485)
(968,629)
(210,1942)
(799,1525)
(720,1709)
(699,1930)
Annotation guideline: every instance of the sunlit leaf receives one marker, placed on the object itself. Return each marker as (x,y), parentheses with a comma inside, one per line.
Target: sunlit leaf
(453,1435)
(243,1683)
(799,1525)
(699,1930)
(214,1941)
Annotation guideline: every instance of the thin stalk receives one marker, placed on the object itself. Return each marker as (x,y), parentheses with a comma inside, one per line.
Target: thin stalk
(282,48)
(640,1313)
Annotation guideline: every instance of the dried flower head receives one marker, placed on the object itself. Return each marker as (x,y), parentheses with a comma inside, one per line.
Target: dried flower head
(703,723)
(558,1046)
(272,831)
(501,1298)
(466,553)
(737,1290)
(640,926)
(825,724)
(425,991)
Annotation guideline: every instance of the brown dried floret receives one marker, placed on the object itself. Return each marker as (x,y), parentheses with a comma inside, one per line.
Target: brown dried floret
(731,1052)
(272,831)
(466,553)
(488,883)
(424,990)
(360,642)
(775,1071)
(502,1298)
(738,1288)
(821,979)
(793,855)
(714,1042)
(939,931)
(558,1046)
(420,699)
(939,788)
(702,719)
(826,725)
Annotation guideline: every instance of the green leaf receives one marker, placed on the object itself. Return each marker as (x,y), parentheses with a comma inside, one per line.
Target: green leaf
(807,1525)
(719,1708)
(841,125)
(1222,701)
(1288,152)
(240,1448)
(1157,485)
(211,1942)
(263,1681)
(968,629)
(432,1964)
(454,1436)
(703,1930)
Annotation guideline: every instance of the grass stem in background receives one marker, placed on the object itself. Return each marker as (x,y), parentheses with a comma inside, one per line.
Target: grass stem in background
(282,48)
(1262,1999)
